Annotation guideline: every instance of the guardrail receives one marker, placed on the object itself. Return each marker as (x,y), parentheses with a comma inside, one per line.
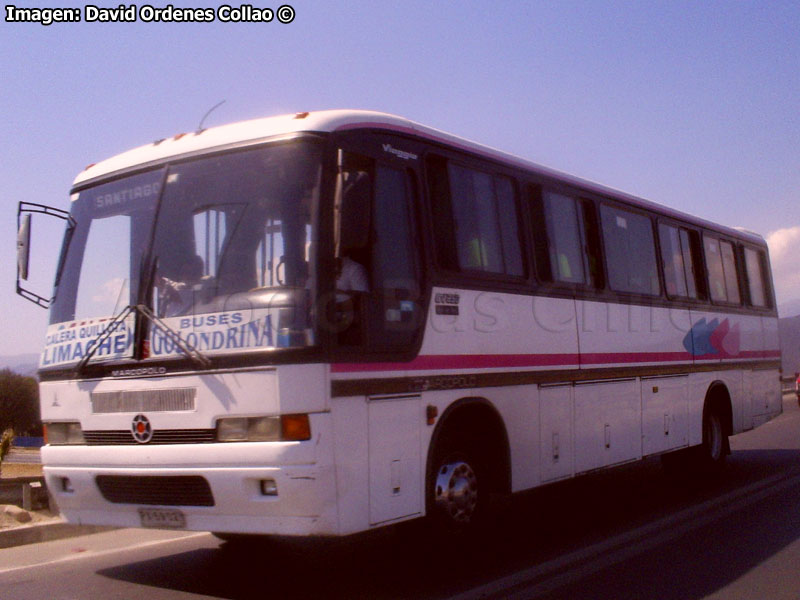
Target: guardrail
(28,492)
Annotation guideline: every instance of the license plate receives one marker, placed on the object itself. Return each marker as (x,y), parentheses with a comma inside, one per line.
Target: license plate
(162,518)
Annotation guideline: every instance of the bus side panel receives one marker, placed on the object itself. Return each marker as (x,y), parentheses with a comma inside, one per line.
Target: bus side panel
(751,394)
(717,336)
(700,384)
(379,460)
(608,423)
(388,450)
(721,338)
(492,329)
(665,413)
(772,344)
(395,465)
(519,409)
(772,351)
(351,458)
(623,335)
(760,400)
(556,419)
(650,415)
(300,388)
(734,381)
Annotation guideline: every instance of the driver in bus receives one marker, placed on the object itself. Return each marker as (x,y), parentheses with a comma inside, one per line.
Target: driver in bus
(176,297)
(351,276)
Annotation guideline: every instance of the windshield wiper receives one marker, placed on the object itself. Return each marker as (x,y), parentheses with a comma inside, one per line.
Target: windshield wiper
(92,346)
(190,351)
(193,353)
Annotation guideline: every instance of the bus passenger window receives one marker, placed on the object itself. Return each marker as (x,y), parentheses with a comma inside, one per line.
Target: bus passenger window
(672,257)
(716,276)
(630,251)
(509,231)
(566,238)
(731,277)
(481,211)
(678,260)
(722,275)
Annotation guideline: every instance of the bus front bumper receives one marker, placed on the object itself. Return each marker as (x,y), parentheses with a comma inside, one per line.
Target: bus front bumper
(234,495)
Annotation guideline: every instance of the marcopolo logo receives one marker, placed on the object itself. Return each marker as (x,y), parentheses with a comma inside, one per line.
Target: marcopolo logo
(141,429)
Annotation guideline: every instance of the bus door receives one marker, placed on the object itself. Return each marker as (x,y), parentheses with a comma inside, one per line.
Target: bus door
(378,282)
(380,310)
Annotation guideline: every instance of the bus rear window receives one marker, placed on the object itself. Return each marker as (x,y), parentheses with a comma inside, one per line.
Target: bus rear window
(754,264)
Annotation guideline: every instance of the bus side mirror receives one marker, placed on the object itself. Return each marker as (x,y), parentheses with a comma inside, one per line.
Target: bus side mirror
(24,226)
(23,246)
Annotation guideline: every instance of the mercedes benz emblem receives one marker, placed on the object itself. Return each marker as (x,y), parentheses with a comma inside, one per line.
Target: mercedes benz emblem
(141,429)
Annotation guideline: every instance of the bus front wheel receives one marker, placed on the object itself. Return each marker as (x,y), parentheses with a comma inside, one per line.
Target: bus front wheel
(458,489)
(455,492)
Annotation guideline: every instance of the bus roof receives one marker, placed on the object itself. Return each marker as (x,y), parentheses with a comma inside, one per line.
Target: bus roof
(251,131)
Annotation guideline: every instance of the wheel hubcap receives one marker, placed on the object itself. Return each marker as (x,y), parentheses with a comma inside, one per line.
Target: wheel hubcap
(456,491)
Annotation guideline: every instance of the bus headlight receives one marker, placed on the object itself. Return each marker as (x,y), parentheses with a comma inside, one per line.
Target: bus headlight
(60,434)
(264,429)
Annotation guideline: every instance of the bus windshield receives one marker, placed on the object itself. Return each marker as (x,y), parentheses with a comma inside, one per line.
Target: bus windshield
(219,248)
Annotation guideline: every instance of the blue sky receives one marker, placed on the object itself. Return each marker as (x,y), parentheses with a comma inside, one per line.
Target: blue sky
(695,105)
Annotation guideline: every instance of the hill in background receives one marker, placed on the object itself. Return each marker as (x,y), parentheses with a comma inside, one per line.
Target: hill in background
(24,364)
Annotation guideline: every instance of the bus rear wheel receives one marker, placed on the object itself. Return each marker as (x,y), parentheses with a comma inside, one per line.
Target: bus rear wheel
(714,449)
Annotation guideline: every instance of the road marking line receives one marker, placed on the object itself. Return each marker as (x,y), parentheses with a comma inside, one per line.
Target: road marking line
(92,554)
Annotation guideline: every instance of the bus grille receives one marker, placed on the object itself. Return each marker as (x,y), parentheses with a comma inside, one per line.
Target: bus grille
(137,401)
(189,490)
(160,436)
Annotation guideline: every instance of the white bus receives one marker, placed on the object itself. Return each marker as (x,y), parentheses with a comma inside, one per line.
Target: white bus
(324,323)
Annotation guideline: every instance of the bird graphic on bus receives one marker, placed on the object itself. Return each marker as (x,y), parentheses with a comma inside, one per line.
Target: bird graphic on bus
(713,338)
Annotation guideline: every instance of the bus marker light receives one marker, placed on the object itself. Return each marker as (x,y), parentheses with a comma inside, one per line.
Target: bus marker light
(295,428)
(431,412)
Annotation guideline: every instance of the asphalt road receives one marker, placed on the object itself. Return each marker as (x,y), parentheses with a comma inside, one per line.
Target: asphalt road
(630,533)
